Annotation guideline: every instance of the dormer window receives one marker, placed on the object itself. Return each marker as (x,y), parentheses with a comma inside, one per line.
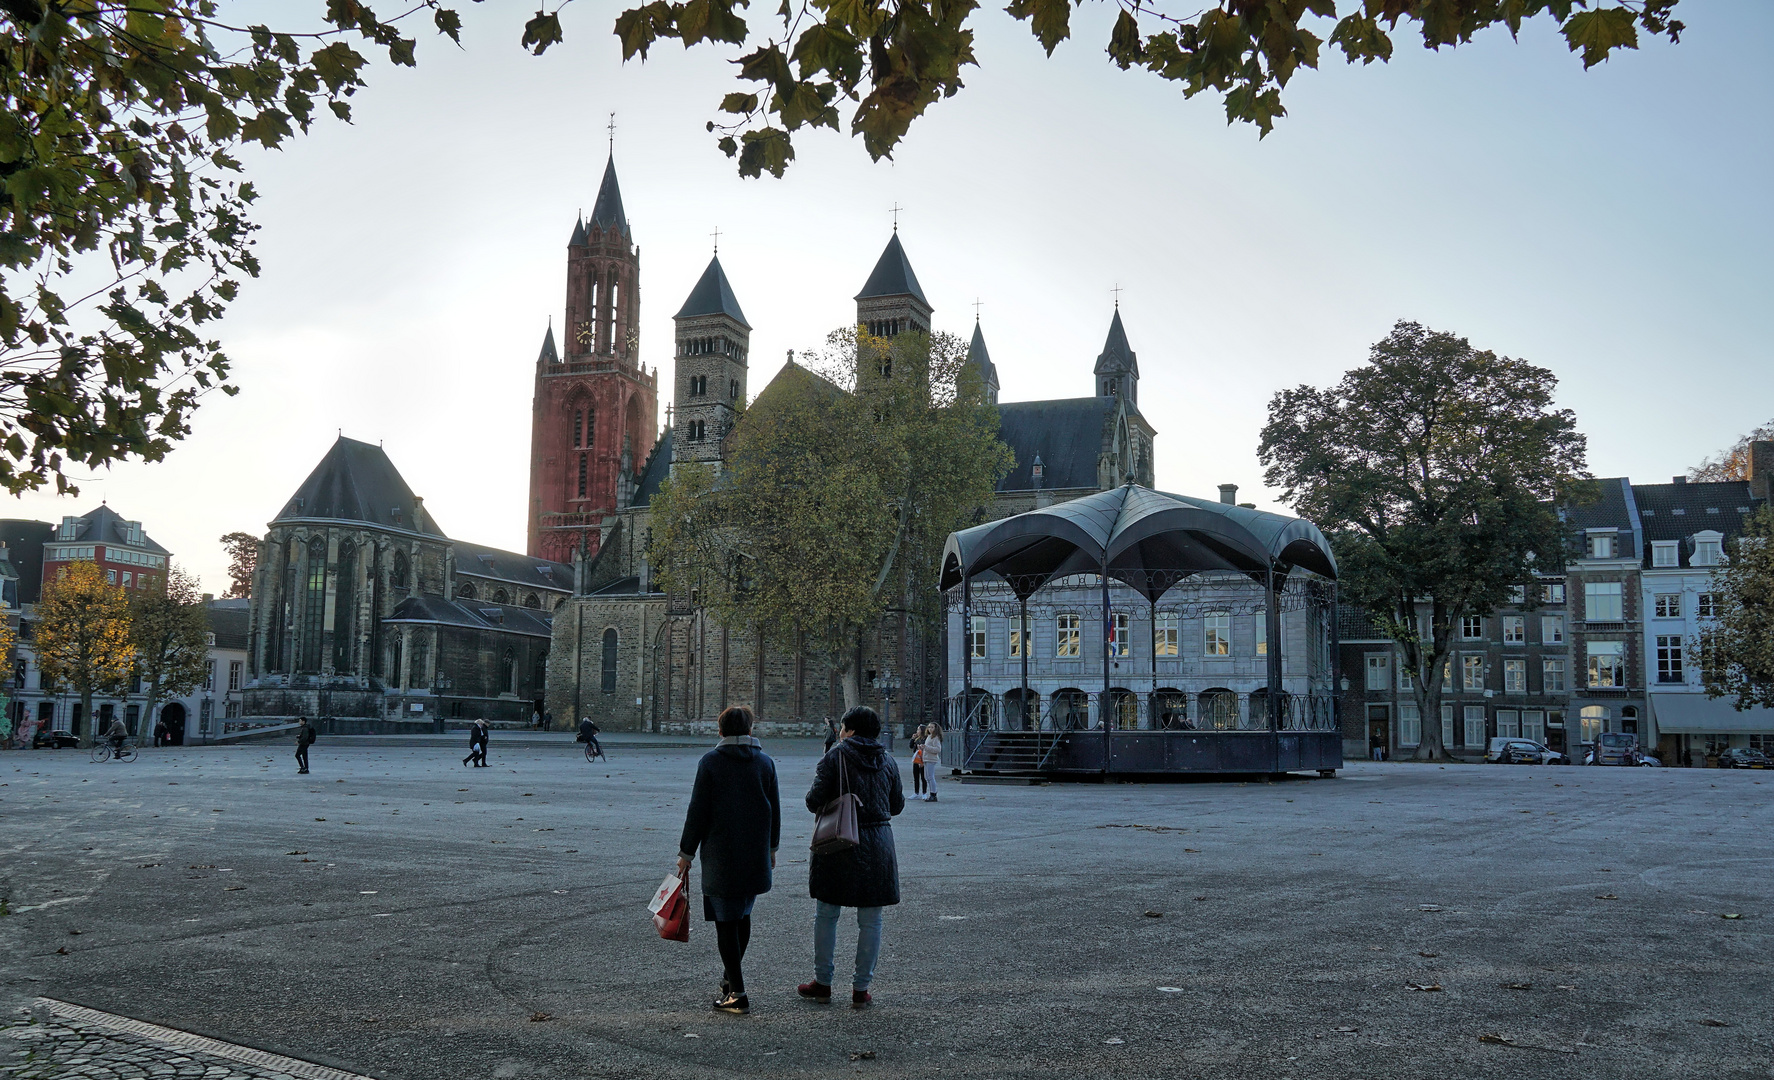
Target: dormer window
(1664,553)
(70,528)
(1601,545)
(1708,549)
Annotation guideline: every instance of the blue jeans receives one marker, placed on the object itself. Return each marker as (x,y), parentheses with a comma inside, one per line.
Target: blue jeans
(825,943)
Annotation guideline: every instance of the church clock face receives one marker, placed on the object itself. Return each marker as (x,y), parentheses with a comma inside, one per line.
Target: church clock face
(584,333)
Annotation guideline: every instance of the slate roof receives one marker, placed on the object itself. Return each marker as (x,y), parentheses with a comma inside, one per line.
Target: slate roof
(1117,354)
(658,467)
(106,526)
(524,571)
(473,615)
(977,354)
(1067,434)
(24,540)
(628,586)
(893,275)
(607,212)
(548,353)
(228,621)
(713,296)
(1678,511)
(578,239)
(357,482)
(1608,508)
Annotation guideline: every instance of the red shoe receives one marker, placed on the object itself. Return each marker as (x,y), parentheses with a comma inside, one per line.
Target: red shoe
(816,991)
(860,999)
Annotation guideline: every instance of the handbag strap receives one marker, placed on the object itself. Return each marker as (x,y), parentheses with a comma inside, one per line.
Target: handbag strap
(843,773)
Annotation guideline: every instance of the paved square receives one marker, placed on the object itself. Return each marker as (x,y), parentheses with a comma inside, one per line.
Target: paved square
(398,915)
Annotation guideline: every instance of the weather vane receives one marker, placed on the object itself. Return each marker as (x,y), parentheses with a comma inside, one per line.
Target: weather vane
(612,133)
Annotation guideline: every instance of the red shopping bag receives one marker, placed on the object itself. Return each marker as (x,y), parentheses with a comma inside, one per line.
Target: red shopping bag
(671,909)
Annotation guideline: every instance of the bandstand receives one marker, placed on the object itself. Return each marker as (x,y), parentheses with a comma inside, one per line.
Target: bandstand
(1227,579)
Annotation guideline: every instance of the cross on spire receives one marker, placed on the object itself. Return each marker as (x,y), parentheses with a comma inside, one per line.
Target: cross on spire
(1117,291)
(612,127)
(976,306)
(896,209)
(717,235)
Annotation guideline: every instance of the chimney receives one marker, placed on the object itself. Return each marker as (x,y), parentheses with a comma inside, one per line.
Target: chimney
(1037,471)
(1229,494)
(209,597)
(1760,470)
(1678,479)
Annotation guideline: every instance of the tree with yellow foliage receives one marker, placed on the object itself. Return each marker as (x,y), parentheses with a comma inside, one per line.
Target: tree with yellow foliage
(7,640)
(82,637)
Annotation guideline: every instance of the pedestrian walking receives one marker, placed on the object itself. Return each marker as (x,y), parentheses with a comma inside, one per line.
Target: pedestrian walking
(162,735)
(304,739)
(864,877)
(931,751)
(918,763)
(477,744)
(831,734)
(735,822)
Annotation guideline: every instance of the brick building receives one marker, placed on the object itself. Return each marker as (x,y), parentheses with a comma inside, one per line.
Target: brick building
(127,555)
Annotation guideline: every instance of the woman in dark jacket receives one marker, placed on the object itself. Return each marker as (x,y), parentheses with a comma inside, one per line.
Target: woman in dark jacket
(735,818)
(865,877)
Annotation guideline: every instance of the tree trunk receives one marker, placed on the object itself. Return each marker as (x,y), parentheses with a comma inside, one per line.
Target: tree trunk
(86,732)
(147,721)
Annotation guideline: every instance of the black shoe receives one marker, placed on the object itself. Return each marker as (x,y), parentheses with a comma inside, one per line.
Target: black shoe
(733,1003)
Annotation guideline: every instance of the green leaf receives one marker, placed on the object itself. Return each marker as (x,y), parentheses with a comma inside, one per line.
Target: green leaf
(765,150)
(448,22)
(739,103)
(1597,33)
(541,32)
(1361,38)
(1124,41)
(1051,20)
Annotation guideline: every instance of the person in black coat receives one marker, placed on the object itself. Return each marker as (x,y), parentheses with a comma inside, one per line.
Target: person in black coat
(865,877)
(735,820)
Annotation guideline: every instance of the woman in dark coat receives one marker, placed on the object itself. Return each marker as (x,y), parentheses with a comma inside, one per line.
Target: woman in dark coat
(865,877)
(735,819)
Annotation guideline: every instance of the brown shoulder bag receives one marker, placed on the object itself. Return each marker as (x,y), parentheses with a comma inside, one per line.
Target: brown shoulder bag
(836,828)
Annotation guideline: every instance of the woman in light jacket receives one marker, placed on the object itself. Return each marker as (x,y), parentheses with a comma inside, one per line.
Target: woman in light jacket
(865,877)
(932,760)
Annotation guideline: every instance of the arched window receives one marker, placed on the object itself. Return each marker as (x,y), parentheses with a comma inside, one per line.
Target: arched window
(590,427)
(584,473)
(508,673)
(345,609)
(609,672)
(733,389)
(397,575)
(578,428)
(1218,710)
(465,591)
(314,604)
(615,308)
(395,668)
(1594,721)
(533,601)
(500,596)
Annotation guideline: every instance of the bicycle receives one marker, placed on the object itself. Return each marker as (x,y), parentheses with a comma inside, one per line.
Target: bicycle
(593,752)
(101,751)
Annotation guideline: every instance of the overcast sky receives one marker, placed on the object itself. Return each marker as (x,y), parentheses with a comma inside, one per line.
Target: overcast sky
(1613,226)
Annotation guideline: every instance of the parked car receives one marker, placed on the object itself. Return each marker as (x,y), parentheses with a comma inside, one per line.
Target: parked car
(58,739)
(1615,748)
(1743,757)
(1650,761)
(1504,750)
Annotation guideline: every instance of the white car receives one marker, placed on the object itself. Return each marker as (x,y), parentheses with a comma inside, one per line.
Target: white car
(1505,750)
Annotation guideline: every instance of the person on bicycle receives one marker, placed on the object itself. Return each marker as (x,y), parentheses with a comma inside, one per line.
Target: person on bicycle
(588,735)
(115,734)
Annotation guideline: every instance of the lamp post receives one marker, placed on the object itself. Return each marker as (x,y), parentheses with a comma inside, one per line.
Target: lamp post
(889,685)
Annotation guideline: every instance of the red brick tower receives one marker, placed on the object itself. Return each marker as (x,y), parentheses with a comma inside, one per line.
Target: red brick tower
(594,417)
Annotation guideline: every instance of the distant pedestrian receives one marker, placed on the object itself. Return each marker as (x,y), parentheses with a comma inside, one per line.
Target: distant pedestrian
(865,877)
(735,821)
(932,754)
(477,744)
(535,719)
(161,735)
(918,763)
(831,734)
(304,739)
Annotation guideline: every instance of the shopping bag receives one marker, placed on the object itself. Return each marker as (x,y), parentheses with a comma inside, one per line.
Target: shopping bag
(671,909)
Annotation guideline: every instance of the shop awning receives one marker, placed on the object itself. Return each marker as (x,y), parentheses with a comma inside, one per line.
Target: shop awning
(1697,714)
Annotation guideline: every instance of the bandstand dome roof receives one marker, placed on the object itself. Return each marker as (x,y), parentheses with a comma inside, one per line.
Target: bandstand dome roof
(1149,539)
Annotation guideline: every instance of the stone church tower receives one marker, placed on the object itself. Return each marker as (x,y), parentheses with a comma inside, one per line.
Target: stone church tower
(595,413)
(712,342)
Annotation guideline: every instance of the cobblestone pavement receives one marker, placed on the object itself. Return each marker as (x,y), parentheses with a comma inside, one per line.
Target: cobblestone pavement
(52,1040)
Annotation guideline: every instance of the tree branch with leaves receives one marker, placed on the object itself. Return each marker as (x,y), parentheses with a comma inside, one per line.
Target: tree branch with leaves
(1736,651)
(169,628)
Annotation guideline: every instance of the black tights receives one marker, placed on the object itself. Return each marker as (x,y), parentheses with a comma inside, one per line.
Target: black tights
(733,937)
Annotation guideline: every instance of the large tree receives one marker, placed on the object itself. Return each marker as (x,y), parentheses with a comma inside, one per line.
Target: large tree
(1732,463)
(889,60)
(82,639)
(841,483)
(1737,651)
(243,559)
(123,213)
(170,631)
(1435,469)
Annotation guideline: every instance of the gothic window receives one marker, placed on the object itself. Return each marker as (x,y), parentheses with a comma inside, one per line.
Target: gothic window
(397,577)
(592,295)
(698,385)
(733,389)
(345,608)
(533,601)
(609,661)
(396,667)
(615,300)
(313,604)
(500,596)
(578,428)
(465,591)
(508,674)
(583,466)
(590,427)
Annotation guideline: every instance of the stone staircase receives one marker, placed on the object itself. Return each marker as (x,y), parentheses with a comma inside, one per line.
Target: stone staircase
(1010,752)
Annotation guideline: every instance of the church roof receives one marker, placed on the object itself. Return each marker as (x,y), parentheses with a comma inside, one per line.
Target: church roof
(893,275)
(713,296)
(524,571)
(1066,434)
(548,351)
(578,239)
(357,482)
(1117,355)
(977,354)
(474,615)
(657,469)
(607,213)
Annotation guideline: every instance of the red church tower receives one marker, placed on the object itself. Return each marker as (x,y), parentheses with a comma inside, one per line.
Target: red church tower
(594,418)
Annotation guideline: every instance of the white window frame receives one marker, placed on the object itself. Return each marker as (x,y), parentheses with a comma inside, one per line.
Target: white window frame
(1515,630)
(1120,638)
(1533,725)
(1708,551)
(236,672)
(1378,671)
(1706,606)
(1667,605)
(1410,724)
(976,637)
(1447,675)
(1068,640)
(1552,677)
(1509,724)
(1474,727)
(1515,675)
(1017,637)
(1603,673)
(1472,628)
(1552,593)
(1603,545)
(1447,727)
(1669,659)
(1666,553)
(1216,634)
(1596,591)
(1407,679)
(1592,720)
(1170,635)
(209,674)
(1472,673)
(1552,629)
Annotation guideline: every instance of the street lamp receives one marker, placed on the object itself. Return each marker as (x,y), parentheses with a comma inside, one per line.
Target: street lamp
(889,685)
